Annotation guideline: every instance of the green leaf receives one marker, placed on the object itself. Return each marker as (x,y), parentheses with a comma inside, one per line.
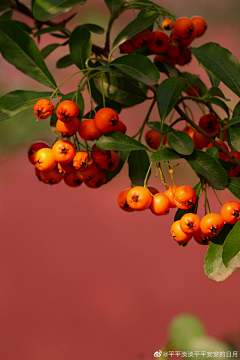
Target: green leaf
(231,247)
(7,15)
(218,102)
(214,267)
(168,94)
(236,110)
(165,155)
(64,62)
(118,141)
(214,91)
(113,5)
(183,328)
(137,25)
(119,89)
(138,67)
(180,212)
(213,152)
(51,29)
(205,165)
(97,96)
(156,125)
(122,158)
(48,49)
(139,163)
(227,165)
(194,80)
(44,10)
(5,4)
(234,186)
(213,78)
(92,27)
(234,132)
(20,50)
(16,101)
(221,62)
(181,142)
(80,44)
(23,26)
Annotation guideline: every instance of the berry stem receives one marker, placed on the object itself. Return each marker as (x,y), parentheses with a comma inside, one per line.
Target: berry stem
(146,177)
(90,94)
(162,175)
(103,96)
(217,197)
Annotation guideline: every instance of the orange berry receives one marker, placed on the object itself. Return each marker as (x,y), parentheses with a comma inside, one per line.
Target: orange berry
(159,42)
(170,194)
(193,92)
(199,25)
(122,201)
(121,127)
(184,58)
(142,39)
(177,233)
(98,180)
(43,108)
(211,224)
(34,148)
(184,197)
(153,139)
(152,190)
(44,160)
(230,212)
(87,174)
(190,223)
(82,161)
(88,131)
(183,28)
(63,151)
(51,177)
(65,169)
(67,110)
(200,141)
(160,204)
(106,120)
(202,238)
(68,129)
(167,24)
(72,180)
(127,47)
(209,123)
(139,198)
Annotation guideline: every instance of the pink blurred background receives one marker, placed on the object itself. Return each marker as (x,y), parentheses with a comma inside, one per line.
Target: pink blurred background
(79,278)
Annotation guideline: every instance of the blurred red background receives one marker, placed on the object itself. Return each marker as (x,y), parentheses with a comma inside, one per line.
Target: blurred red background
(79,278)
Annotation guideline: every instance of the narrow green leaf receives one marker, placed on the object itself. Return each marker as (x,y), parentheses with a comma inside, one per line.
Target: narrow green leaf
(234,132)
(137,25)
(227,165)
(138,67)
(213,152)
(218,102)
(231,247)
(20,50)
(114,5)
(7,15)
(122,158)
(205,165)
(221,62)
(214,267)
(236,111)
(181,142)
(5,4)
(64,62)
(234,186)
(215,91)
(80,50)
(213,78)
(44,10)
(92,27)
(165,155)
(139,163)
(194,80)
(51,29)
(119,89)
(168,94)
(118,141)
(156,125)
(48,49)
(97,96)
(183,328)
(16,101)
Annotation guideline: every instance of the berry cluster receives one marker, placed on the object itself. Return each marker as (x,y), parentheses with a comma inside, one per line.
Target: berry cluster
(175,46)
(183,197)
(64,160)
